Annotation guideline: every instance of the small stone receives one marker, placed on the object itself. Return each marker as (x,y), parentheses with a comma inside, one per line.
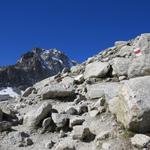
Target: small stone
(106,146)
(20,145)
(28,141)
(101,101)
(79,79)
(28,91)
(140,140)
(122,78)
(49,145)
(29,102)
(94,113)
(76,121)
(60,120)
(46,122)
(77,100)
(83,109)
(18,106)
(83,134)
(103,135)
(65,146)
(8,112)
(62,134)
(72,111)
(20,118)
(22,139)
(102,109)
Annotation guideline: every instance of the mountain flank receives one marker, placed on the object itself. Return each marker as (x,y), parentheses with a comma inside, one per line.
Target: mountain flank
(101,104)
(34,66)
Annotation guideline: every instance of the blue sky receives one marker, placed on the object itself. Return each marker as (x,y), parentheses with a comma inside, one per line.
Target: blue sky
(80,28)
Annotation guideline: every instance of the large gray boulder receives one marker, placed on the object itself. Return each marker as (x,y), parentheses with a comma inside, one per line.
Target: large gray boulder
(129,63)
(109,90)
(96,69)
(120,66)
(133,104)
(125,51)
(36,115)
(140,66)
(56,91)
(76,121)
(143,42)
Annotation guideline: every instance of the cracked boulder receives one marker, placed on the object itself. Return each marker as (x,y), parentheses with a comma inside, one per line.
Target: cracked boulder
(36,115)
(133,104)
(57,91)
(120,66)
(96,69)
(98,90)
(140,66)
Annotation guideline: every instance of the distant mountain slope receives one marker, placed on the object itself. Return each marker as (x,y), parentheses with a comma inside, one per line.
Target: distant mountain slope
(34,66)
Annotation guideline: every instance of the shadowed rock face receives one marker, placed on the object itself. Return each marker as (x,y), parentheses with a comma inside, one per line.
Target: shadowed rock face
(34,66)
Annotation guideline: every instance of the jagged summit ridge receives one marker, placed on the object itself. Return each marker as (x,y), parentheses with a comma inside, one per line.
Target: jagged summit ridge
(34,66)
(48,58)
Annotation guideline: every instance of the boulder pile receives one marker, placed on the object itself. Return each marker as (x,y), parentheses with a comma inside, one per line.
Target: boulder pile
(101,104)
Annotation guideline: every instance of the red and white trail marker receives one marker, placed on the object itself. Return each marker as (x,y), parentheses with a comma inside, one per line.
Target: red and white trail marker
(138,52)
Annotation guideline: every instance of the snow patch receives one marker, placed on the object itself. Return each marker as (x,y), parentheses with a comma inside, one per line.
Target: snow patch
(56,59)
(46,52)
(9,91)
(50,55)
(55,51)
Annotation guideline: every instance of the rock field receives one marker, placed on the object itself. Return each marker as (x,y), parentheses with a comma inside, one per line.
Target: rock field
(101,104)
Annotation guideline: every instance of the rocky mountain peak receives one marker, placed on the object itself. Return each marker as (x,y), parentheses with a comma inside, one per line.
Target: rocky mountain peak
(34,66)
